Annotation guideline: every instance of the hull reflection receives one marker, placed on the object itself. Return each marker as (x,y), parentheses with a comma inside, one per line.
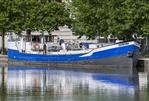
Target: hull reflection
(42,81)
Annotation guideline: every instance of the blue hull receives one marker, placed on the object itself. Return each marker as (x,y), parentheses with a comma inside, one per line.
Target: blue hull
(114,52)
(111,56)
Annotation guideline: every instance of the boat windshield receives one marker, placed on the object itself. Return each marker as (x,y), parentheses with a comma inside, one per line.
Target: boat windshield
(36,39)
(49,38)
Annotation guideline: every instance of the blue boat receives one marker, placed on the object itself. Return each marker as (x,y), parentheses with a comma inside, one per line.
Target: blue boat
(37,49)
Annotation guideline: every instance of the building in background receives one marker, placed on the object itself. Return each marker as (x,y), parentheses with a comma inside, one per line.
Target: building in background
(64,33)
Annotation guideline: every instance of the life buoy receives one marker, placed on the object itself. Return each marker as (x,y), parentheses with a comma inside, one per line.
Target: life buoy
(36,46)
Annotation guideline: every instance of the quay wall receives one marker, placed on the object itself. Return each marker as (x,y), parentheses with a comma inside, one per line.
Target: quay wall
(143,64)
(3,60)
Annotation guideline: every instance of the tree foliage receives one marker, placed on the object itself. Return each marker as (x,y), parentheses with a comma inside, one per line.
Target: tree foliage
(18,15)
(103,17)
(39,14)
(24,15)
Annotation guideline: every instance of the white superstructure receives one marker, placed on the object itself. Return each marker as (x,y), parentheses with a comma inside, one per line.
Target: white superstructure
(63,33)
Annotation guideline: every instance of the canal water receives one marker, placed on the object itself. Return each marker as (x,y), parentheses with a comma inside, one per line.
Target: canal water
(22,83)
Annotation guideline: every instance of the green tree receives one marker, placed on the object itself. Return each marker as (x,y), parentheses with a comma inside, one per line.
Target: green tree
(50,15)
(90,17)
(4,22)
(39,15)
(126,18)
(30,15)
(119,17)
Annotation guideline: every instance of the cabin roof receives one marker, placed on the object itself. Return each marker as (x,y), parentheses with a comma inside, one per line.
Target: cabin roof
(36,33)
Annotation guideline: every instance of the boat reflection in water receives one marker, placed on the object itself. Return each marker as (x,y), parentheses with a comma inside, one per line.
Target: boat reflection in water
(69,85)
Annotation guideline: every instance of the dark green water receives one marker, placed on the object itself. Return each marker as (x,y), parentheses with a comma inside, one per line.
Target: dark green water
(49,84)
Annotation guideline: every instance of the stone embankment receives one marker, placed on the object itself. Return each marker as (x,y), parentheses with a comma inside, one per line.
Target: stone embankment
(143,63)
(3,60)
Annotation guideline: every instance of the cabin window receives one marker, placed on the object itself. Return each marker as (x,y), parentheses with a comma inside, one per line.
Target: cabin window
(49,38)
(36,39)
(27,39)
